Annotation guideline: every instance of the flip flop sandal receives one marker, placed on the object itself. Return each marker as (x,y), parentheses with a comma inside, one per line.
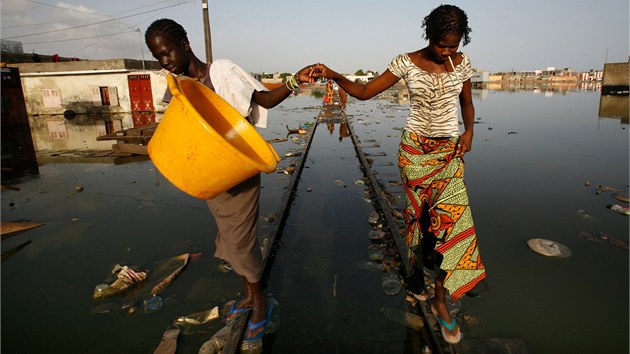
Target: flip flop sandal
(254,326)
(231,312)
(450,326)
(448,337)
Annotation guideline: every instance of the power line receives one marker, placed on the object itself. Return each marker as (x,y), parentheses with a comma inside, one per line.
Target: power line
(99,22)
(80,38)
(82,19)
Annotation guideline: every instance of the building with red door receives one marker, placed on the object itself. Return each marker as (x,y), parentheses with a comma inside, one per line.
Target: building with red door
(71,103)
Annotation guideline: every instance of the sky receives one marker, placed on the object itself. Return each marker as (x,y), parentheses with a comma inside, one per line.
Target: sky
(286,35)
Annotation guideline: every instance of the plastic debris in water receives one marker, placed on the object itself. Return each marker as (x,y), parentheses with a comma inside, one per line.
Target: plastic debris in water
(379,267)
(621,209)
(269,217)
(340,183)
(216,342)
(225,267)
(377,256)
(391,284)
(549,248)
(376,234)
(126,278)
(373,219)
(183,258)
(359,182)
(198,318)
(152,304)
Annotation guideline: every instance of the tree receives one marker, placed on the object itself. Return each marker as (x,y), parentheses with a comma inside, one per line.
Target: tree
(359,72)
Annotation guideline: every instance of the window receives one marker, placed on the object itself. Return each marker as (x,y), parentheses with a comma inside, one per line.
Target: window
(104,96)
(51,98)
(57,130)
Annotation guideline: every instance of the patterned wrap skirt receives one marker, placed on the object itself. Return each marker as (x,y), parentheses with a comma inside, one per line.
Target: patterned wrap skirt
(438,221)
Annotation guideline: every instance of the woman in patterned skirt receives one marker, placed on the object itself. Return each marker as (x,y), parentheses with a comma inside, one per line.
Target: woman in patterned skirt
(439,225)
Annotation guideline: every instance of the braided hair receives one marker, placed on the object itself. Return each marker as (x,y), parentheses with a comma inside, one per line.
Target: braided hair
(167,28)
(446,19)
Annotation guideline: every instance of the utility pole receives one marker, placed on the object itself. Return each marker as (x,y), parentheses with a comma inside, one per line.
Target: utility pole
(206,28)
(141,47)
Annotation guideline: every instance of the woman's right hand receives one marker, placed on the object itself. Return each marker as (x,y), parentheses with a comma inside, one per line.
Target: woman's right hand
(321,70)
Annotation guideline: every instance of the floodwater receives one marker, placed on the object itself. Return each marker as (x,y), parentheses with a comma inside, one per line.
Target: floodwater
(537,159)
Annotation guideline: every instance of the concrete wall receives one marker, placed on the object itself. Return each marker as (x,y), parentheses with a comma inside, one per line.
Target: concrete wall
(616,74)
(76,91)
(82,65)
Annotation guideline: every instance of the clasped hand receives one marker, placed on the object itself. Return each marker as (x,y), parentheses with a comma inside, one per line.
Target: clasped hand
(313,72)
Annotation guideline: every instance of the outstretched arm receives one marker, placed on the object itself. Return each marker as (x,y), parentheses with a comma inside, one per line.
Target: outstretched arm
(271,98)
(355,89)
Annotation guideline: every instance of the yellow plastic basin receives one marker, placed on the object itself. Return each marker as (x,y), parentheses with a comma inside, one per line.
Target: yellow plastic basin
(203,145)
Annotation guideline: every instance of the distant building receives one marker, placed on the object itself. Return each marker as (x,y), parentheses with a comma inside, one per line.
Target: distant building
(70,104)
(480,77)
(369,76)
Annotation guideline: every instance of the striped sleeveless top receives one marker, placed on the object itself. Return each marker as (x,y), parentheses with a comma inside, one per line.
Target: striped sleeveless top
(433,96)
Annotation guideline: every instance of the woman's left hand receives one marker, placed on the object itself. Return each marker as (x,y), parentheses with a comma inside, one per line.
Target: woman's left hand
(464,144)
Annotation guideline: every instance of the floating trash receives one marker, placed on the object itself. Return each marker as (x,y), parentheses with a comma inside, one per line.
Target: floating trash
(152,304)
(621,209)
(391,284)
(376,234)
(340,183)
(126,278)
(379,267)
(359,182)
(269,217)
(198,318)
(397,214)
(225,267)
(216,343)
(373,219)
(168,344)
(605,188)
(100,289)
(183,261)
(377,256)
(603,238)
(549,248)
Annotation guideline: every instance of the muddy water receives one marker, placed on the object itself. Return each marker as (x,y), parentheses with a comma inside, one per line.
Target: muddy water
(533,154)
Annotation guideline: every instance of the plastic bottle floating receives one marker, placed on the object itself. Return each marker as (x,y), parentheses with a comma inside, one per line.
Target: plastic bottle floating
(548,248)
(621,209)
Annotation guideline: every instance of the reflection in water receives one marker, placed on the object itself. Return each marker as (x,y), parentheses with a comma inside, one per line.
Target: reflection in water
(614,106)
(80,131)
(540,86)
